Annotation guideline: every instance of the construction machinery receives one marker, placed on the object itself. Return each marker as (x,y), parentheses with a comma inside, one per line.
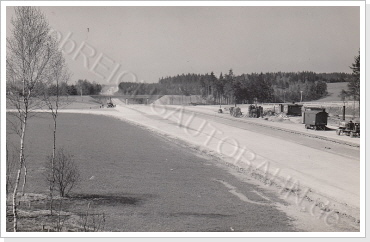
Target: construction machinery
(349,128)
(255,111)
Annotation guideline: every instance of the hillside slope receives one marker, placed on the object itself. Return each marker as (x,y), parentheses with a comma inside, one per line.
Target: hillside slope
(334,90)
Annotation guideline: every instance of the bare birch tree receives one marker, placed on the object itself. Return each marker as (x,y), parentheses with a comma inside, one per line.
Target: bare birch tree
(30,50)
(59,75)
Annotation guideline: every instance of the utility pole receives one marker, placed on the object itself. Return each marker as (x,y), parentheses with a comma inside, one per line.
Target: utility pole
(219,99)
(284,96)
(344,113)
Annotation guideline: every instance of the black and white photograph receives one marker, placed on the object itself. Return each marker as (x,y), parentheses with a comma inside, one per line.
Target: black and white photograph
(177,119)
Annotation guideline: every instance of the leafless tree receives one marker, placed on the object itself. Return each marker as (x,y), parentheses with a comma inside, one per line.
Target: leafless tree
(52,100)
(30,51)
(65,172)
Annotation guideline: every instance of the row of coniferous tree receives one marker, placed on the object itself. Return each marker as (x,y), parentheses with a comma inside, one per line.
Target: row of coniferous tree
(245,88)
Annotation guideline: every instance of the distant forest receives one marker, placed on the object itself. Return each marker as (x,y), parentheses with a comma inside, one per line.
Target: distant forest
(82,87)
(226,88)
(246,88)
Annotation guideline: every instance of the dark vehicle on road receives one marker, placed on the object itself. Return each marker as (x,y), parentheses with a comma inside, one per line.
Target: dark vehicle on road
(110,104)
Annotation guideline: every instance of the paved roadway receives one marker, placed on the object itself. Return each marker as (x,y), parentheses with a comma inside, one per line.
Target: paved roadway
(299,136)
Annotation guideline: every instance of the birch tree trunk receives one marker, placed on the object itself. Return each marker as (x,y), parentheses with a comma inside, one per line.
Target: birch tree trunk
(19,172)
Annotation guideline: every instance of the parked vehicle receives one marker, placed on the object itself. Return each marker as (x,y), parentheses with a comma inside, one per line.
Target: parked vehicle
(110,104)
(349,128)
(315,119)
(305,109)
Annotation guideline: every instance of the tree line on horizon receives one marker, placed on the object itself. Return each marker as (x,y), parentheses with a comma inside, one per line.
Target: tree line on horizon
(81,87)
(245,88)
(227,88)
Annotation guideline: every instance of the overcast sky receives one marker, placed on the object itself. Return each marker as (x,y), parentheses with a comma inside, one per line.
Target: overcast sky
(152,42)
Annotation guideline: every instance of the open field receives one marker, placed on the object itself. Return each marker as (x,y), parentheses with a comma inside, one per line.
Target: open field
(141,182)
(66,102)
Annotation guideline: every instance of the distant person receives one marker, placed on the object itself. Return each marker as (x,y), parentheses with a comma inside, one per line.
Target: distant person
(350,124)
